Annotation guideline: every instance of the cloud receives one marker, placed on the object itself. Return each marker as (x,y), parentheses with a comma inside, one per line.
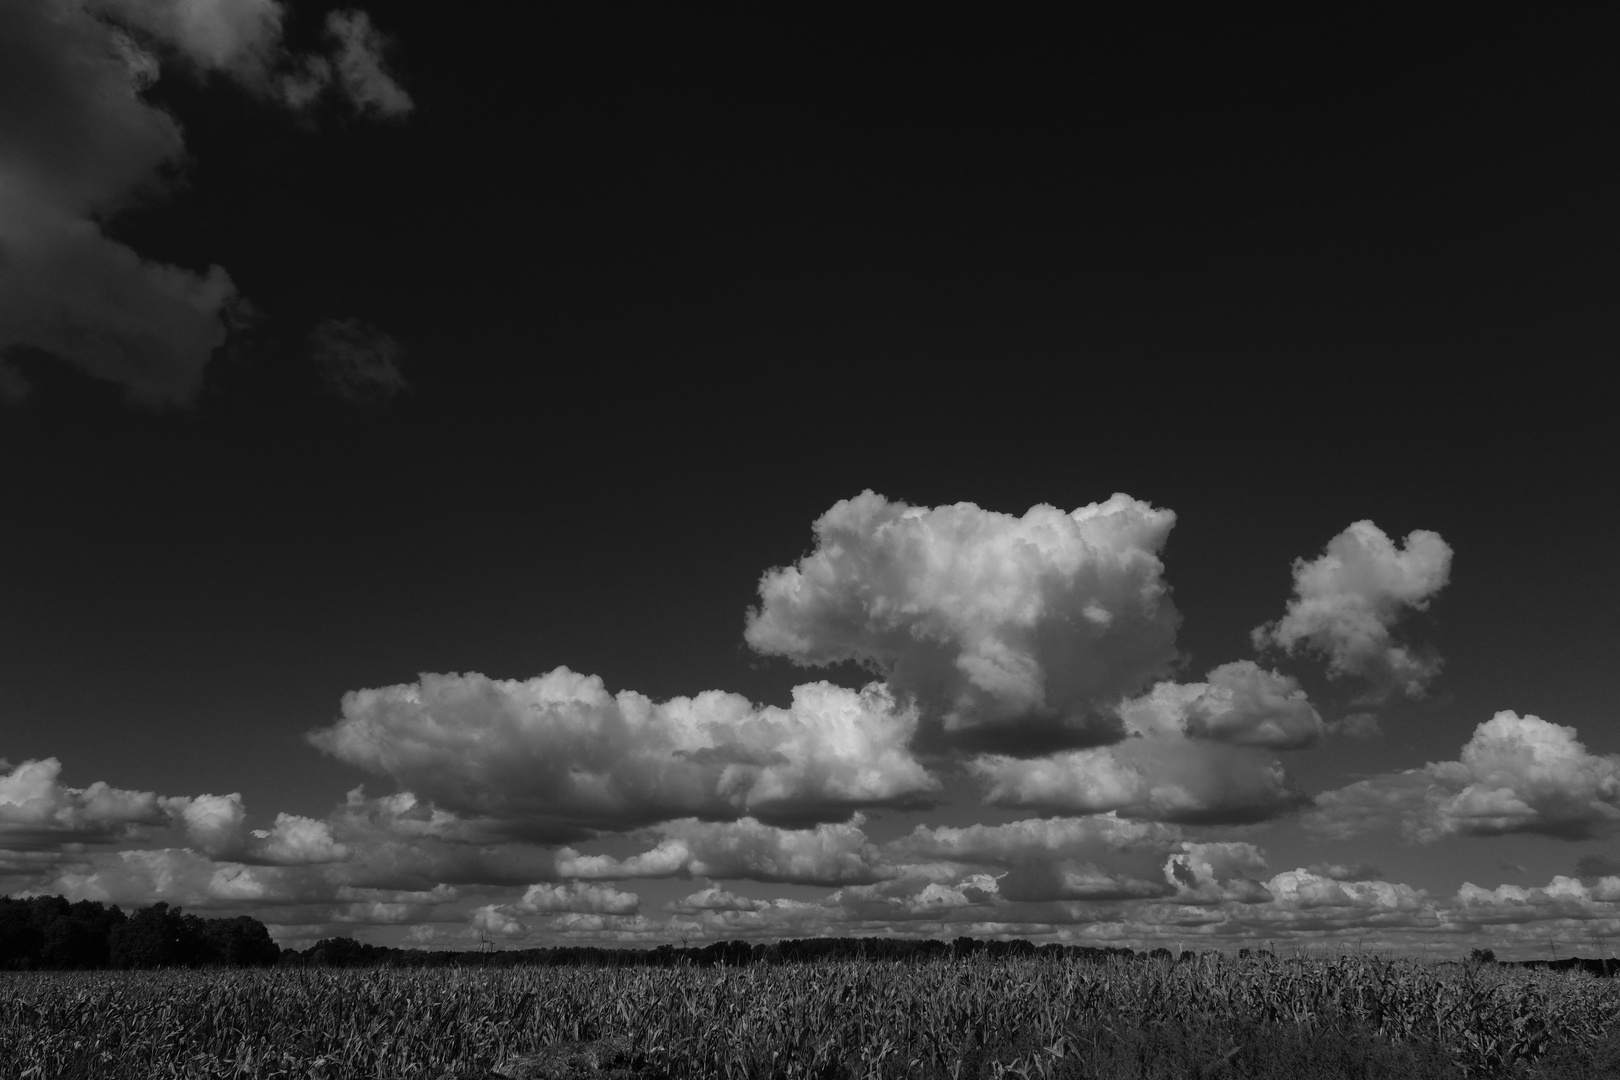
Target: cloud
(1014,634)
(1346,871)
(1348,600)
(295,840)
(1351,901)
(492,919)
(179,876)
(78,143)
(37,811)
(574,896)
(556,757)
(1561,898)
(212,822)
(829,854)
(1157,772)
(357,362)
(1246,705)
(1515,775)
(1217,872)
(714,899)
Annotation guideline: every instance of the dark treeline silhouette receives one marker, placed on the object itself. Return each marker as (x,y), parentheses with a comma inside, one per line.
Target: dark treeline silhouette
(346,952)
(47,932)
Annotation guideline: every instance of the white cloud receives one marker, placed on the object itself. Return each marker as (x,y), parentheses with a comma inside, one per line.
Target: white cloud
(212,822)
(1157,772)
(715,899)
(180,876)
(1012,632)
(295,840)
(1217,872)
(557,756)
(1246,705)
(575,896)
(78,143)
(828,854)
(1515,775)
(492,919)
(38,811)
(1347,601)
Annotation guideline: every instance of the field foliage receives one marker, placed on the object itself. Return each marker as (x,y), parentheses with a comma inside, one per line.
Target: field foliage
(1208,1017)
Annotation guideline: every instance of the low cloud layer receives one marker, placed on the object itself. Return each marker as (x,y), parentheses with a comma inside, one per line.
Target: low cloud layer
(830,854)
(1012,633)
(1162,772)
(1348,600)
(1518,774)
(79,142)
(558,756)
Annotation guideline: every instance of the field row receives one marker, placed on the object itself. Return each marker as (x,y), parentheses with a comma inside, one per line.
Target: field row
(1214,1016)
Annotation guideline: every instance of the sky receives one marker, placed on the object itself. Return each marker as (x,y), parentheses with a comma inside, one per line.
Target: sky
(620,477)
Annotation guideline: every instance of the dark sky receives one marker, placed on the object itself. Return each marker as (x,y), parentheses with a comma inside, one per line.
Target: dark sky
(665,287)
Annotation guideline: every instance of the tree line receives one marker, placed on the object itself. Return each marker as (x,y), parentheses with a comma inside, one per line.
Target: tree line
(48,933)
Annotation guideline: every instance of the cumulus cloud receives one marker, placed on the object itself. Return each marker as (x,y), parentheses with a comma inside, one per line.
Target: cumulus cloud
(603,899)
(1515,775)
(78,143)
(557,756)
(714,899)
(180,876)
(1013,633)
(1347,602)
(1561,898)
(1246,705)
(1348,902)
(492,919)
(1158,772)
(38,811)
(829,854)
(295,840)
(357,362)
(1217,872)
(211,822)
(1359,871)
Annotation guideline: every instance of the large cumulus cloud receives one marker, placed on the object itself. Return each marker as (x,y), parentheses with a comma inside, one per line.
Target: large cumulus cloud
(557,756)
(1014,633)
(1162,771)
(1348,600)
(1517,774)
(38,811)
(79,142)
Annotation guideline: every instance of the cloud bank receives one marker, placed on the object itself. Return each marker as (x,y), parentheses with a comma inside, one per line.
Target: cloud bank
(1518,774)
(557,757)
(1012,633)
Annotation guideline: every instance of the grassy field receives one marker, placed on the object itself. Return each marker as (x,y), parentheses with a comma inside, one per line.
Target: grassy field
(1213,1017)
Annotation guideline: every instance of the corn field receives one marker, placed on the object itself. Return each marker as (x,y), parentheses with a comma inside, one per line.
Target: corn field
(976,1018)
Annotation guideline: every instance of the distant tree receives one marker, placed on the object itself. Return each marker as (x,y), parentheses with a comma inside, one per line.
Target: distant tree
(1482,956)
(147,939)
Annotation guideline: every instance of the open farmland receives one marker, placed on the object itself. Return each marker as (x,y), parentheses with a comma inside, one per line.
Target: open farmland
(1210,1017)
